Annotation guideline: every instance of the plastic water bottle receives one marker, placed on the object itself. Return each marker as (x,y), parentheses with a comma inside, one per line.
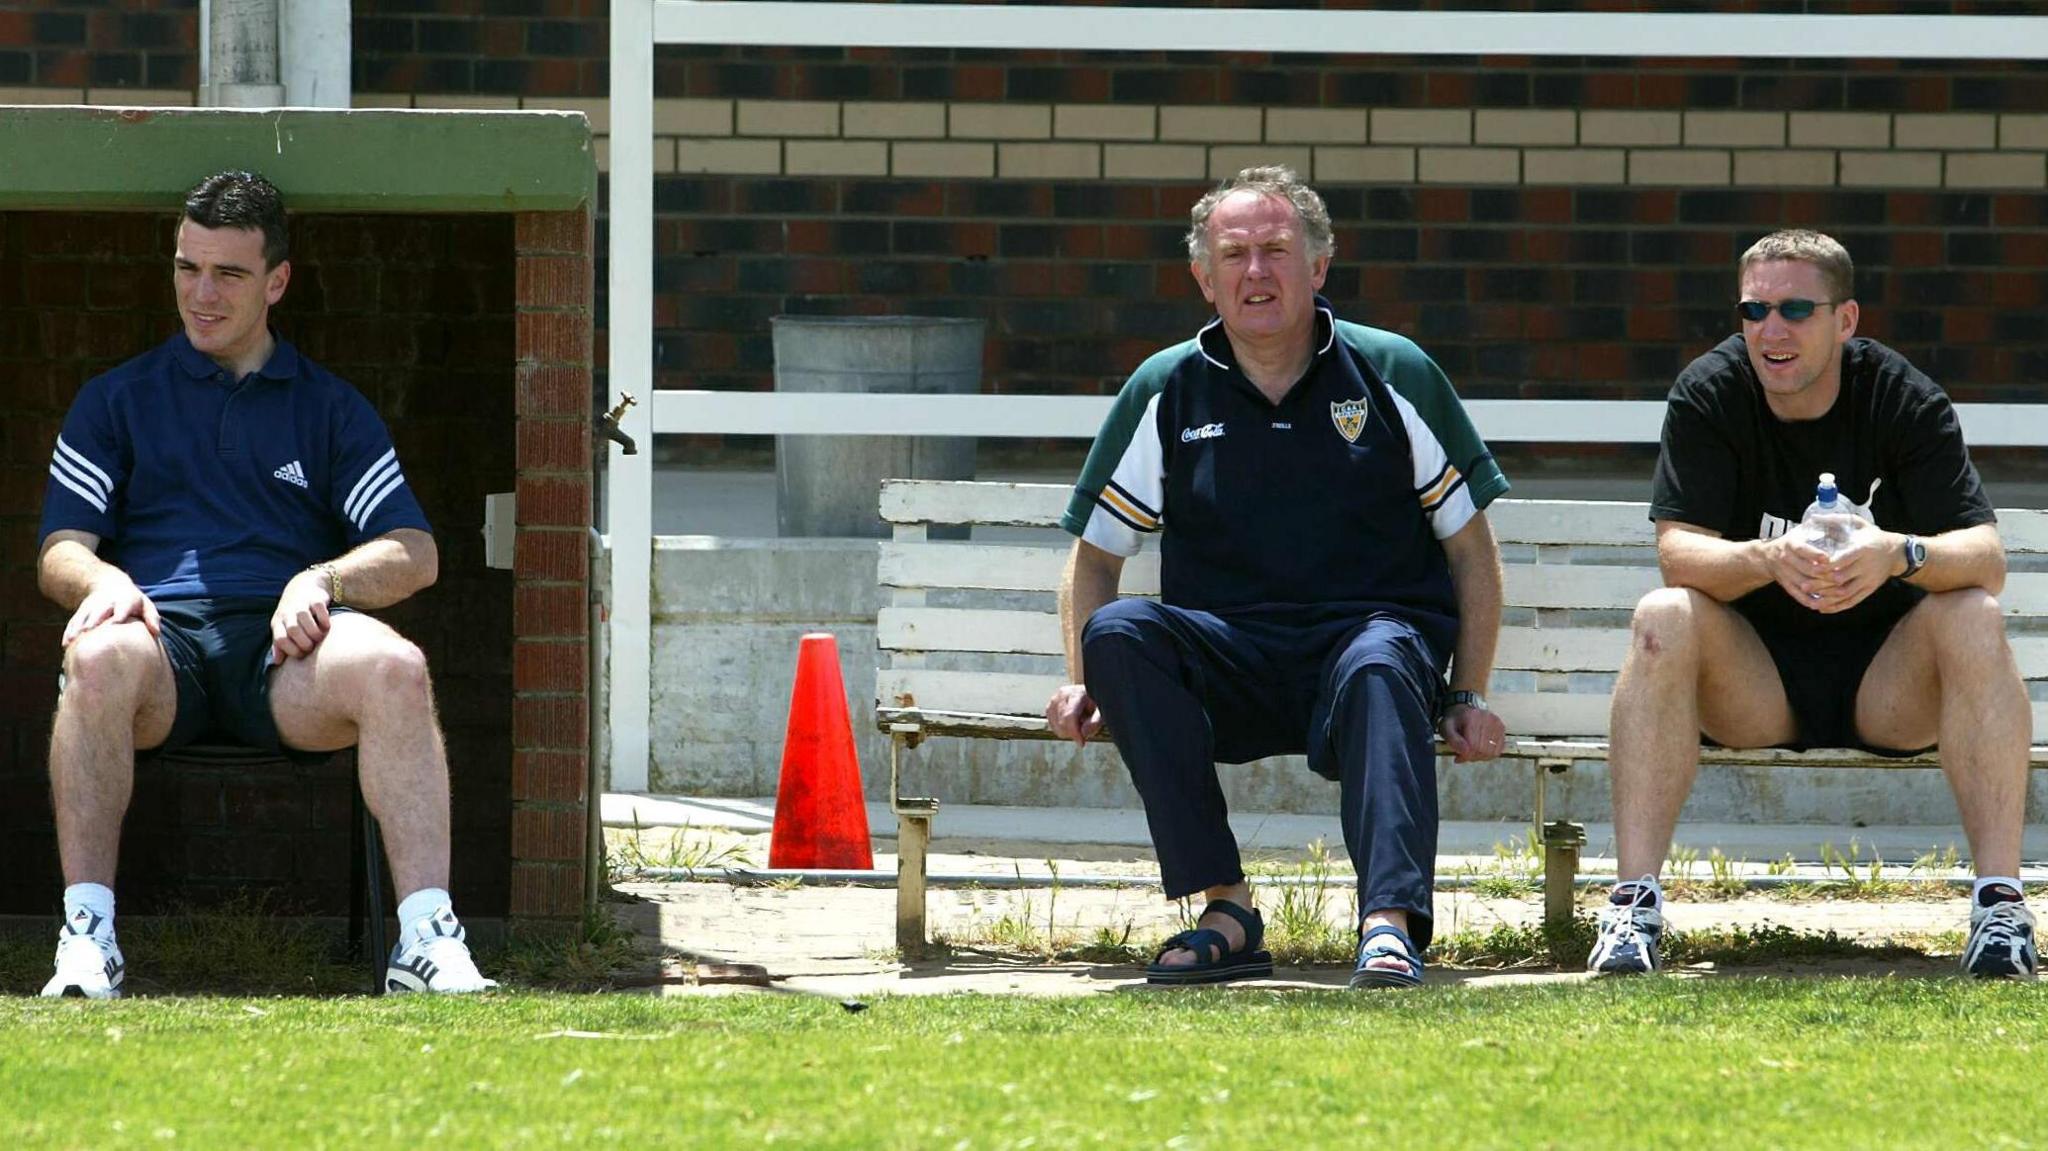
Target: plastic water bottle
(1829,520)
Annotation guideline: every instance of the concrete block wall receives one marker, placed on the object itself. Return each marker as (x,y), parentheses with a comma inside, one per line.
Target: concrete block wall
(728,613)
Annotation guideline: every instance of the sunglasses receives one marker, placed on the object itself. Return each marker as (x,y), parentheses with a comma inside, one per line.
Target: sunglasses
(1794,310)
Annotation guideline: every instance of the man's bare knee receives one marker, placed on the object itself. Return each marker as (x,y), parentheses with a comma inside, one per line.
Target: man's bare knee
(398,667)
(1967,633)
(1665,627)
(1967,627)
(110,663)
(395,683)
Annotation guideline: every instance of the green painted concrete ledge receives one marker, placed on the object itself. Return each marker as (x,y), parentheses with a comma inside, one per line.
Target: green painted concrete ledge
(374,160)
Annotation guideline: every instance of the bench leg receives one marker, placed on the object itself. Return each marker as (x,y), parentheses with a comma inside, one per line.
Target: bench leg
(913,839)
(913,842)
(358,880)
(373,877)
(366,895)
(1562,840)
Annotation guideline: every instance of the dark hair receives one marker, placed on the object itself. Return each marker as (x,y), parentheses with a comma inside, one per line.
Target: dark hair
(241,200)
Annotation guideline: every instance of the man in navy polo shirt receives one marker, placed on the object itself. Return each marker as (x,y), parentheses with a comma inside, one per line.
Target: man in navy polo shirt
(1323,560)
(215,506)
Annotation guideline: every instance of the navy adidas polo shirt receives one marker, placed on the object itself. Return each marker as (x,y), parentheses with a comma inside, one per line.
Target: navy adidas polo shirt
(1329,503)
(202,485)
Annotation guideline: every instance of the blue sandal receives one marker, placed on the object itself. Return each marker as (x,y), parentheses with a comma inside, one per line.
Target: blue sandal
(1409,976)
(1214,961)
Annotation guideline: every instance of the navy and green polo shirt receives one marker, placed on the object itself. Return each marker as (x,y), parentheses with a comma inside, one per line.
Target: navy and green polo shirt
(201,485)
(1328,503)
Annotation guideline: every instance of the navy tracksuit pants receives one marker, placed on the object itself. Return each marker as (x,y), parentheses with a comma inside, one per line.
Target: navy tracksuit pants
(1182,690)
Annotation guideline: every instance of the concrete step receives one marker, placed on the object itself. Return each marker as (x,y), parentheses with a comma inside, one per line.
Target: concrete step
(1008,830)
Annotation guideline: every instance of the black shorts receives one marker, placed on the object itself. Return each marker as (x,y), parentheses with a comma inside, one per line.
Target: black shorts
(220,658)
(1821,672)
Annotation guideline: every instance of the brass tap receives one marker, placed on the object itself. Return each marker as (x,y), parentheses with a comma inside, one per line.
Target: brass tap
(608,424)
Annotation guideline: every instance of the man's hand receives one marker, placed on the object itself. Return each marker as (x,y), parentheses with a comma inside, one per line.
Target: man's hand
(1473,732)
(300,621)
(1863,565)
(113,601)
(1073,715)
(1799,568)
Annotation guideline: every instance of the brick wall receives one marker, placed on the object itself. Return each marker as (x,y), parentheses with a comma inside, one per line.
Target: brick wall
(1546,227)
(551,614)
(85,43)
(1517,291)
(418,313)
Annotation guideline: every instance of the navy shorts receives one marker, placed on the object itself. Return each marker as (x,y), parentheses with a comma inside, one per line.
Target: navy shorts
(220,658)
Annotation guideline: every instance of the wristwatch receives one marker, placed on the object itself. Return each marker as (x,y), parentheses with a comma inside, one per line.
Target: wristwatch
(1916,556)
(1464,697)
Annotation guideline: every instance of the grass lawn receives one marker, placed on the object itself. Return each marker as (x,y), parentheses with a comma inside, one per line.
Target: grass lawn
(1721,1062)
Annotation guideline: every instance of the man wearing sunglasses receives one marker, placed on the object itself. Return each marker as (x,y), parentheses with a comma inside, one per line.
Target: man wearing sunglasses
(1892,644)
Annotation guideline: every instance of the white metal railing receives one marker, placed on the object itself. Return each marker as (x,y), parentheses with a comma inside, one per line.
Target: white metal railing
(1055,417)
(637,25)
(849,25)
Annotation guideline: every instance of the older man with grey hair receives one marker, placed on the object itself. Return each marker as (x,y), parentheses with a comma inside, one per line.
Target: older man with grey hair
(1328,561)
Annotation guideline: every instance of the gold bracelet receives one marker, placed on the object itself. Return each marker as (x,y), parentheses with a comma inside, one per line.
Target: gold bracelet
(333,582)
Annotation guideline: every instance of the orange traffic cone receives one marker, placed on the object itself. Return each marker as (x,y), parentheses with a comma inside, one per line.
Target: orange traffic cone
(821,820)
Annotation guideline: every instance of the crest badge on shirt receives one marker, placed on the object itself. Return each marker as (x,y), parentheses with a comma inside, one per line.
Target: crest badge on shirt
(1349,416)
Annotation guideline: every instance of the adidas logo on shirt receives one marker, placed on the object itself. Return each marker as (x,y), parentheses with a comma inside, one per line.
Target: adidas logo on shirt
(292,473)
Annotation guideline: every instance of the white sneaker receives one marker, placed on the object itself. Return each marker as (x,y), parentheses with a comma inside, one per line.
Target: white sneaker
(2001,942)
(1630,936)
(432,956)
(89,964)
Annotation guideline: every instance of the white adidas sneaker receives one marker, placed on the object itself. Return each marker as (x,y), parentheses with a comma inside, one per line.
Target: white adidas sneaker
(89,963)
(432,955)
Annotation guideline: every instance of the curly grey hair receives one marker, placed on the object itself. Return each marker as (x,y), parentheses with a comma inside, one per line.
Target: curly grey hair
(1275,180)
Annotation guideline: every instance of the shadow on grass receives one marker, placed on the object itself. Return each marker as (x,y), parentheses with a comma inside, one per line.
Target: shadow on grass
(1506,950)
(245,946)
(250,946)
(943,960)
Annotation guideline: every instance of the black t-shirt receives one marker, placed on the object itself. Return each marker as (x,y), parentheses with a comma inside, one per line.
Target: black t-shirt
(1730,466)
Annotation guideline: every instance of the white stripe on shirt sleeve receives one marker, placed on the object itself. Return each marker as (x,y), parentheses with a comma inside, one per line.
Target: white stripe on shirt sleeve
(1445,496)
(1131,504)
(87,471)
(372,476)
(62,466)
(99,505)
(371,501)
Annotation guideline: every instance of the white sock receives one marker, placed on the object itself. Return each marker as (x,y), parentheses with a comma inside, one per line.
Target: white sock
(1646,883)
(90,906)
(419,905)
(1984,881)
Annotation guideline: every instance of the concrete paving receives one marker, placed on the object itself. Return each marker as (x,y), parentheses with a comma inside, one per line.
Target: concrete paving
(838,939)
(840,942)
(1031,834)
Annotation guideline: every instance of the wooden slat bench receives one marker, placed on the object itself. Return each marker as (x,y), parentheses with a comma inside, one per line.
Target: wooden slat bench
(971,644)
